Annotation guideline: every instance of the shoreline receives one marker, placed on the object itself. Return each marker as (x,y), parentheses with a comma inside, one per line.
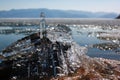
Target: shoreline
(69,21)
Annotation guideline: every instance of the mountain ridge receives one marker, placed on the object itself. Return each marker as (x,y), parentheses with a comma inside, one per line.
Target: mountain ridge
(54,13)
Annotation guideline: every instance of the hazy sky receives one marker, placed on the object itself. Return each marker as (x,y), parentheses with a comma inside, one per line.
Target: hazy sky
(86,5)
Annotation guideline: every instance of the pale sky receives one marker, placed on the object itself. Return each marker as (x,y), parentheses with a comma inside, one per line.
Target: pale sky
(85,5)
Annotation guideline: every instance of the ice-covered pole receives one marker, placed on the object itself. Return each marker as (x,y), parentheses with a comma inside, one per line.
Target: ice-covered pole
(42,25)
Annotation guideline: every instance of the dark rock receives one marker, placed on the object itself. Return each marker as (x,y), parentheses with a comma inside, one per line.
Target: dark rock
(118,17)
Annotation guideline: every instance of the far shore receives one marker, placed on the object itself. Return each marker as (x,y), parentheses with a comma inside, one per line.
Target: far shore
(95,21)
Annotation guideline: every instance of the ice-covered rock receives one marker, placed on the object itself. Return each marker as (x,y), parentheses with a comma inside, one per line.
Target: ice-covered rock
(57,57)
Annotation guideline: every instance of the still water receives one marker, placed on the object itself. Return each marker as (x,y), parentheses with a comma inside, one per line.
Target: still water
(84,35)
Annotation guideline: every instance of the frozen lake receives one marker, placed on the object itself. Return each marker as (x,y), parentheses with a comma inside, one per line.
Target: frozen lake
(86,34)
(90,37)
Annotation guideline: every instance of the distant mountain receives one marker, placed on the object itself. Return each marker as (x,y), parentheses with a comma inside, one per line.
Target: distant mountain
(52,13)
(118,17)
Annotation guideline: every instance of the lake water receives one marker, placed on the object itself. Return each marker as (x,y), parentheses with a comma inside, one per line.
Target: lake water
(84,35)
(88,37)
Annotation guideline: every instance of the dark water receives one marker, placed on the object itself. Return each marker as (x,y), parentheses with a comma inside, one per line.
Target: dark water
(84,36)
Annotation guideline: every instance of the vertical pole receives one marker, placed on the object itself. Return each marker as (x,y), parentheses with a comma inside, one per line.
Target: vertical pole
(42,25)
